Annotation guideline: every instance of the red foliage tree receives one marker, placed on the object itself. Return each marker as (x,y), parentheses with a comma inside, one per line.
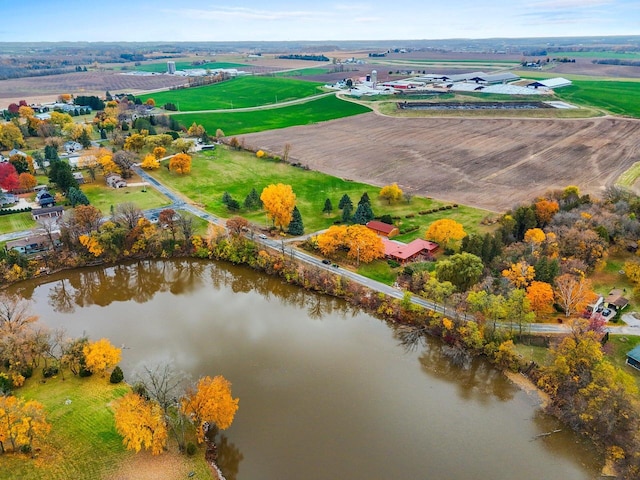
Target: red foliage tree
(9,177)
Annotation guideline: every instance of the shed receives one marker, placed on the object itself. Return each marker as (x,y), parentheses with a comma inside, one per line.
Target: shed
(633,358)
(40,213)
(383,229)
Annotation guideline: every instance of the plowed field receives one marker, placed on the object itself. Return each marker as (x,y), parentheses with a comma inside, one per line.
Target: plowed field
(488,163)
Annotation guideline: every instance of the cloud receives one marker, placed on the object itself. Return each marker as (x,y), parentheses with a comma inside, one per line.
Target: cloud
(241,13)
(570,4)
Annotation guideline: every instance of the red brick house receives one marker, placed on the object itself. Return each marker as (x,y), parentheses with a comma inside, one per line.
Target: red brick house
(383,229)
(405,252)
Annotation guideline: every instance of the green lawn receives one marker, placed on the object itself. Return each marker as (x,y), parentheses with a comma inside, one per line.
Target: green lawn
(162,66)
(241,92)
(238,172)
(16,222)
(103,197)
(617,349)
(237,123)
(379,270)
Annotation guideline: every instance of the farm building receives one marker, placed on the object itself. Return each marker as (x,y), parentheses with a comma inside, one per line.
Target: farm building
(404,252)
(383,229)
(78,177)
(633,358)
(557,82)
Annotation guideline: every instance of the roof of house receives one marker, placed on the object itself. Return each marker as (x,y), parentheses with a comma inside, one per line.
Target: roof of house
(46,210)
(34,239)
(380,226)
(403,251)
(634,354)
(616,297)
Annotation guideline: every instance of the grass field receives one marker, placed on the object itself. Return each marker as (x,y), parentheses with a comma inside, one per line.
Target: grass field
(236,123)
(83,442)
(162,66)
(237,172)
(597,54)
(242,92)
(617,349)
(16,222)
(303,72)
(104,197)
(629,177)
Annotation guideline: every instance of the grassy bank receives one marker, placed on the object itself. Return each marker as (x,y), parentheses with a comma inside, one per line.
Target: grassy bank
(236,123)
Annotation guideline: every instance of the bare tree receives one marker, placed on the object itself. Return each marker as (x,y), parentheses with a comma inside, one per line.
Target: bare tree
(285,152)
(128,214)
(14,314)
(49,225)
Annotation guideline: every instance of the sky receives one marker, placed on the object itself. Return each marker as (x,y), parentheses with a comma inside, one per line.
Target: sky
(289,20)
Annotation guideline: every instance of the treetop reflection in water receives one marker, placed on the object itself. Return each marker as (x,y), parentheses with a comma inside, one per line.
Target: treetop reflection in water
(325,391)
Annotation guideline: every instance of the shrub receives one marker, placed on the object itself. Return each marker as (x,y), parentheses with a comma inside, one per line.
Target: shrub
(84,372)
(27,372)
(449,207)
(140,390)
(6,385)
(116,376)
(50,371)
(393,263)
(191,449)
(410,215)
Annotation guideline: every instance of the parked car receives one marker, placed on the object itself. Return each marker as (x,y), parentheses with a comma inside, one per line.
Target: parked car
(262,236)
(326,262)
(606,312)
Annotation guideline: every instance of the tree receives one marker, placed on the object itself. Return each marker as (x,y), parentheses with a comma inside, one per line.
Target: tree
(364,244)
(180,163)
(545,210)
(196,130)
(344,201)
(296,227)
(252,201)
(332,239)
(77,197)
(363,214)
(328,208)
(573,293)
(540,295)
(518,309)
(141,423)
(60,174)
(168,219)
(520,274)
(445,231)
(9,179)
(10,136)
(391,193)
(14,314)
(182,145)
(159,152)
(128,214)
(346,213)
(101,356)
(462,269)
(279,201)
(124,160)
(237,225)
(534,237)
(21,422)
(150,162)
(210,403)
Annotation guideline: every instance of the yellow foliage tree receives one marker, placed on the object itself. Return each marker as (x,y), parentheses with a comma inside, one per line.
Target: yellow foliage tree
(21,422)
(540,295)
(91,243)
(108,165)
(196,130)
(364,244)
(141,423)
(60,119)
(534,237)
(159,152)
(573,293)
(445,231)
(180,163)
(278,201)
(25,111)
(391,193)
(332,239)
(520,274)
(260,153)
(211,402)
(134,142)
(150,162)
(101,355)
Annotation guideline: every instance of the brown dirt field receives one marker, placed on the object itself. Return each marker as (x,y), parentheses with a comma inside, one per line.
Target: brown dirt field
(491,163)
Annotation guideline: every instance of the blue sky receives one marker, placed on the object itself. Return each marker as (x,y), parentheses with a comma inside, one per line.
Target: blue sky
(272,20)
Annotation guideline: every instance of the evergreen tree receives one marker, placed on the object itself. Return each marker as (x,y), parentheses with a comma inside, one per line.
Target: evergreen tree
(363,214)
(233,205)
(252,201)
(346,213)
(103,134)
(386,219)
(226,198)
(77,197)
(51,153)
(328,207)
(60,174)
(364,199)
(296,227)
(344,201)
(85,139)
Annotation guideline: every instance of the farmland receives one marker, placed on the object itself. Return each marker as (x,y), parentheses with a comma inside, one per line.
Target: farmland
(162,67)
(237,123)
(242,92)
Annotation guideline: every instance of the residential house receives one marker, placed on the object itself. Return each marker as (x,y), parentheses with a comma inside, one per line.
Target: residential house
(45,199)
(616,300)
(383,229)
(633,358)
(34,244)
(72,147)
(115,181)
(406,252)
(78,177)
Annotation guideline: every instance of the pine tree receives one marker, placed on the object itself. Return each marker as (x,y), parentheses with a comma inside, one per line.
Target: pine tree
(226,198)
(346,213)
(328,207)
(344,201)
(77,197)
(252,201)
(51,153)
(364,199)
(296,227)
(85,139)
(363,214)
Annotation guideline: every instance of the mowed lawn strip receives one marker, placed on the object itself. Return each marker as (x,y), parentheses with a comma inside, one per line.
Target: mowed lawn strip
(236,172)
(241,92)
(16,222)
(237,123)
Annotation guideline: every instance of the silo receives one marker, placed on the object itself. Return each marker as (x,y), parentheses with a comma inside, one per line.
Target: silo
(171,68)
(374,78)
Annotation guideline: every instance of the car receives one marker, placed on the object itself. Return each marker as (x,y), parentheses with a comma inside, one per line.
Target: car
(326,262)
(606,312)
(262,236)
(335,265)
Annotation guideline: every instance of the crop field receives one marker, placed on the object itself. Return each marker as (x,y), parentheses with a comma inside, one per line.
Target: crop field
(597,55)
(241,92)
(303,72)
(621,98)
(311,112)
(235,172)
(492,163)
(162,66)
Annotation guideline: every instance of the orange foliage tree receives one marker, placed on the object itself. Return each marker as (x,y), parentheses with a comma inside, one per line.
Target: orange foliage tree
(180,163)
(141,423)
(159,152)
(211,402)
(361,243)
(520,274)
(101,355)
(540,295)
(332,239)
(278,201)
(27,181)
(21,422)
(445,231)
(545,210)
(573,293)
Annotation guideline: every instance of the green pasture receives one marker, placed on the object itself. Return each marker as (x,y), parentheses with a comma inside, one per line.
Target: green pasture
(236,123)
(162,66)
(620,98)
(16,222)
(103,197)
(596,55)
(241,92)
(629,176)
(236,172)
(303,72)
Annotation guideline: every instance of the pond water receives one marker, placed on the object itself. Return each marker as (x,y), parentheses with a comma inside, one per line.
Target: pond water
(325,391)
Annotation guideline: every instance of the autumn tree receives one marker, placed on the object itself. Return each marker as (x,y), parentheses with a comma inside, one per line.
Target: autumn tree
(332,239)
(9,179)
(364,244)
(279,201)
(445,232)
(150,162)
(391,193)
(534,237)
(101,356)
(545,210)
(180,163)
(15,314)
(520,274)
(236,225)
(21,422)
(573,293)
(159,152)
(141,423)
(27,181)
(196,130)
(210,403)
(540,295)
(10,136)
